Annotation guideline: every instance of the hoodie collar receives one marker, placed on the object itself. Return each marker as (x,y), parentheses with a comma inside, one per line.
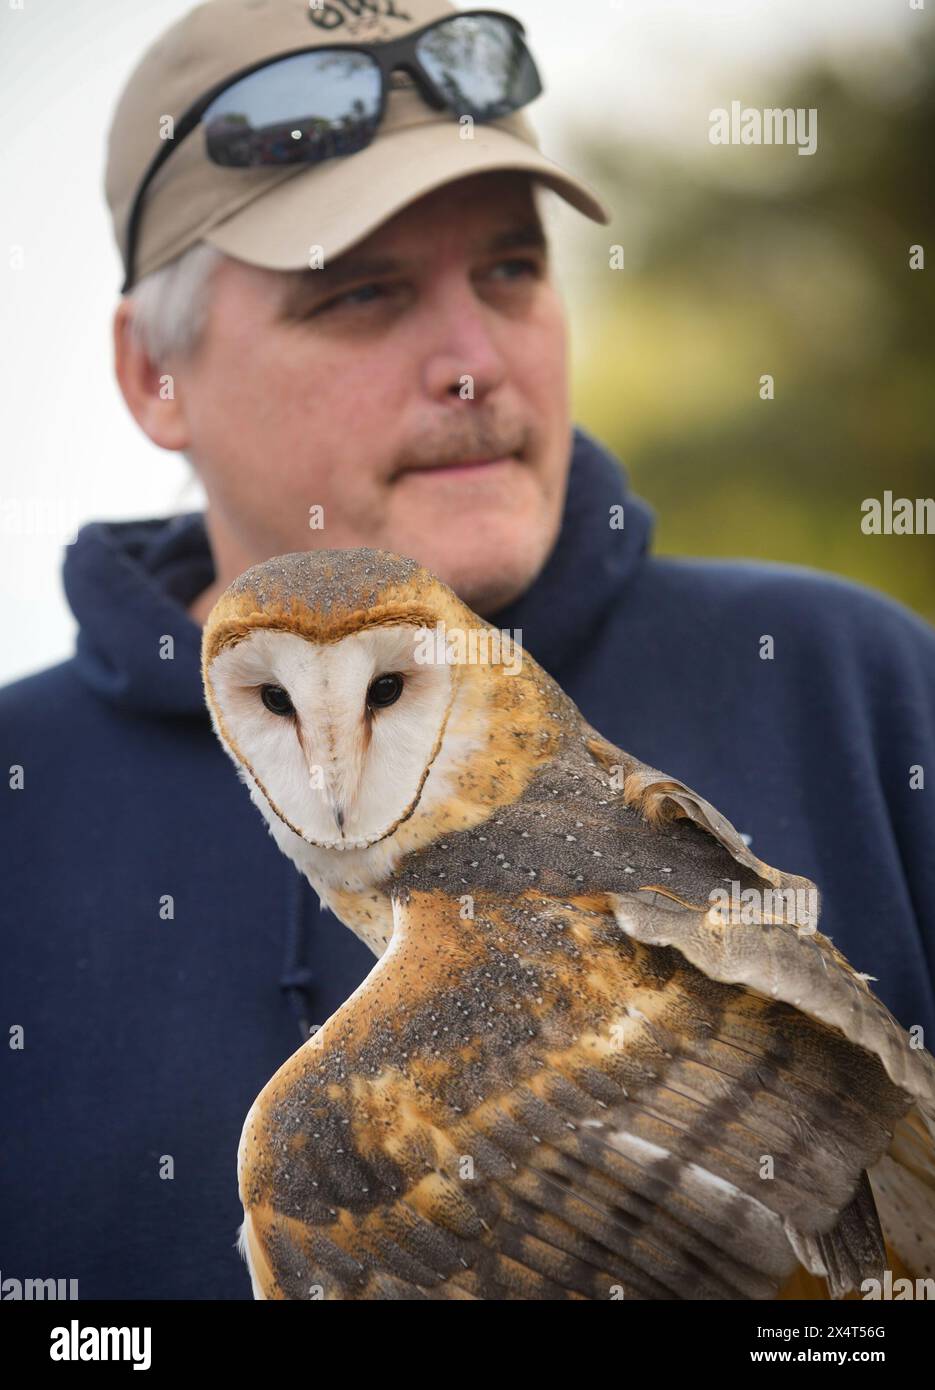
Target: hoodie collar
(129,584)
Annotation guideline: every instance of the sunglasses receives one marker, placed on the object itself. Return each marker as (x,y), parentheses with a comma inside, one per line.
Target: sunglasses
(327,101)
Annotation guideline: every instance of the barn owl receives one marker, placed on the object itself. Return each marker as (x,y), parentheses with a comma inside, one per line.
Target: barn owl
(604,1051)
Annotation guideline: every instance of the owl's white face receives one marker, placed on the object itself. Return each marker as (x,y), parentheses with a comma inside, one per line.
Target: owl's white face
(338,738)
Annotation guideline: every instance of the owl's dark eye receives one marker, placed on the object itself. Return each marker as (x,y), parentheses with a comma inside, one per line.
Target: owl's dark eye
(276,699)
(385,690)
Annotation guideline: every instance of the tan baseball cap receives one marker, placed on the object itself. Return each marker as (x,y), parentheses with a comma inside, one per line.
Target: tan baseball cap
(273,217)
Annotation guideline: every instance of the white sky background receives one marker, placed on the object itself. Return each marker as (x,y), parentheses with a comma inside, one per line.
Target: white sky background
(69,450)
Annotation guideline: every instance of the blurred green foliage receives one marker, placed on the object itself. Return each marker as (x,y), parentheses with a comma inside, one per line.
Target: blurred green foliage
(745,260)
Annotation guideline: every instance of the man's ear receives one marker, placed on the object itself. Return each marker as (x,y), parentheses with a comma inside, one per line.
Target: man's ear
(148,389)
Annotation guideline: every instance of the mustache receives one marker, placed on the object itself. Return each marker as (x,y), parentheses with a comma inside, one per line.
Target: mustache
(470,442)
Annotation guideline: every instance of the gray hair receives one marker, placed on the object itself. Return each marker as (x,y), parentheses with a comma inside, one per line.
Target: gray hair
(170,305)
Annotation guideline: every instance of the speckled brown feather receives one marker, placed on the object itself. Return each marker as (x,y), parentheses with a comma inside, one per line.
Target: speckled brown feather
(523,1051)
(575,1092)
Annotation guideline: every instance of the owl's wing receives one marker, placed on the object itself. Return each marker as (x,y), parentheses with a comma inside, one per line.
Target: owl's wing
(531,1105)
(769,943)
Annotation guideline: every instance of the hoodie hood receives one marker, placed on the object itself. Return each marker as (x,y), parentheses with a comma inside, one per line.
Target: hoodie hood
(129,583)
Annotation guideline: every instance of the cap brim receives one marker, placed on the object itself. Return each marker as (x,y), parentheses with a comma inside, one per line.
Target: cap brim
(338,203)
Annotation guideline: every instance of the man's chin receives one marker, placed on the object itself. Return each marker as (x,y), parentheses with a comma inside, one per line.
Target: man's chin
(489,568)
(485,536)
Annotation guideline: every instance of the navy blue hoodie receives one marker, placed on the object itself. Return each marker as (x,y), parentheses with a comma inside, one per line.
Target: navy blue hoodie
(148,1027)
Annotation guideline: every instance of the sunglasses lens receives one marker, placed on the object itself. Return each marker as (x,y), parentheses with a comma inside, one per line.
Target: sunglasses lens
(298,111)
(481,66)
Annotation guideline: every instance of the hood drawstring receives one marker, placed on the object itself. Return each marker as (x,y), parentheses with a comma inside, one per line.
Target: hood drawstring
(297,978)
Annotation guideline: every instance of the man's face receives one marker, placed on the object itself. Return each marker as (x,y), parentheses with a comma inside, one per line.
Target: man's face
(371,387)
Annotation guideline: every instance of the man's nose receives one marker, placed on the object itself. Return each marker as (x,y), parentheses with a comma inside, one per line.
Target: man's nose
(463,357)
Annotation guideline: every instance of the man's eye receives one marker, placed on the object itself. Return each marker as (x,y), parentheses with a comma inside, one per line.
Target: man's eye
(523,265)
(517,268)
(364,294)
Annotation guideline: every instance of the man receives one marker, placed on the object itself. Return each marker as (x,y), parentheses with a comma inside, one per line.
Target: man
(162,959)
